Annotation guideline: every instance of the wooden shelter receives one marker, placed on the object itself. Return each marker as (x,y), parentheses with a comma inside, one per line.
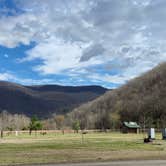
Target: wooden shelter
(130,127)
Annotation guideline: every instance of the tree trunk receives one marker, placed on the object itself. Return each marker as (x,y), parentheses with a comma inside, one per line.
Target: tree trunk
(1,133)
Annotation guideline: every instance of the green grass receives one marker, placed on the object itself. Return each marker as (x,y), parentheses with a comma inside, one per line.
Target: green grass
(56,148)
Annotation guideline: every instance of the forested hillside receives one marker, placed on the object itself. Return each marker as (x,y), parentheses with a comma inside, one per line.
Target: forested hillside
(43,101)
(142,99)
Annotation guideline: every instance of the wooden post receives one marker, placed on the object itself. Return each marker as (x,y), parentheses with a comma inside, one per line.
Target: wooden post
(82,137)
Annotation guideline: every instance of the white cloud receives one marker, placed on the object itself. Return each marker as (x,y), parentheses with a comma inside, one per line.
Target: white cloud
(6,55)
(25,81)
(56,55)
(115,79)
(6,76)
(71,36)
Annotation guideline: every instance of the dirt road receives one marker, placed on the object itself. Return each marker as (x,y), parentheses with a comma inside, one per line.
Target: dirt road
(118,163)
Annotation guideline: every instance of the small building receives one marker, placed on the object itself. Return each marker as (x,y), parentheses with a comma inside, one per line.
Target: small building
(130,127)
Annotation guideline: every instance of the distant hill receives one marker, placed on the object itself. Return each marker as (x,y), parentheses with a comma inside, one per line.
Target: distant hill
(45,100)
(142,99)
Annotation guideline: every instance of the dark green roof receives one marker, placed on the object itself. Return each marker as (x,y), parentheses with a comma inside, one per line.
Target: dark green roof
(131,125)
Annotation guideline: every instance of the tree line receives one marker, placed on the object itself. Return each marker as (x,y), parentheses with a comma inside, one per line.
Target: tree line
(17,122)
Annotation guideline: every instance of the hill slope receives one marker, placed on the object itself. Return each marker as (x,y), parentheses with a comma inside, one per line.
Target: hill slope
(142,99)
(44,100)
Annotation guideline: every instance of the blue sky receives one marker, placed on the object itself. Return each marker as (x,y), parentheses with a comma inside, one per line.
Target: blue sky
(85,42)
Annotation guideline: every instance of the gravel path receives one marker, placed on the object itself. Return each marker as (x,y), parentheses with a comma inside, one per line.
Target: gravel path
(117,163)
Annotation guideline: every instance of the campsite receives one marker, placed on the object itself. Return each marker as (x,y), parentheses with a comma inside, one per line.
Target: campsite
(56,147)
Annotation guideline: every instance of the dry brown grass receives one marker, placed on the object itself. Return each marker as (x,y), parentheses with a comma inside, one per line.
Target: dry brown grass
(59,148)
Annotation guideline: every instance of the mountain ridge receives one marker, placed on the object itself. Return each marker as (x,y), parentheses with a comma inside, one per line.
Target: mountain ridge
(44,100)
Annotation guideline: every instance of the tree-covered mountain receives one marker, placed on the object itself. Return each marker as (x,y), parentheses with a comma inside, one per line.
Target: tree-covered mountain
(142,99)
(44,100)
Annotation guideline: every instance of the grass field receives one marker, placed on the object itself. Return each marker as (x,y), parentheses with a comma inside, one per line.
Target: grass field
(59,148)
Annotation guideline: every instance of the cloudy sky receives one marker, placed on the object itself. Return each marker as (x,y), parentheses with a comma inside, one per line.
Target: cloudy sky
(85,42)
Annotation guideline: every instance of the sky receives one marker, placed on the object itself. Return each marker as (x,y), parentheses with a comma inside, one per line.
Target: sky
(85,42)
